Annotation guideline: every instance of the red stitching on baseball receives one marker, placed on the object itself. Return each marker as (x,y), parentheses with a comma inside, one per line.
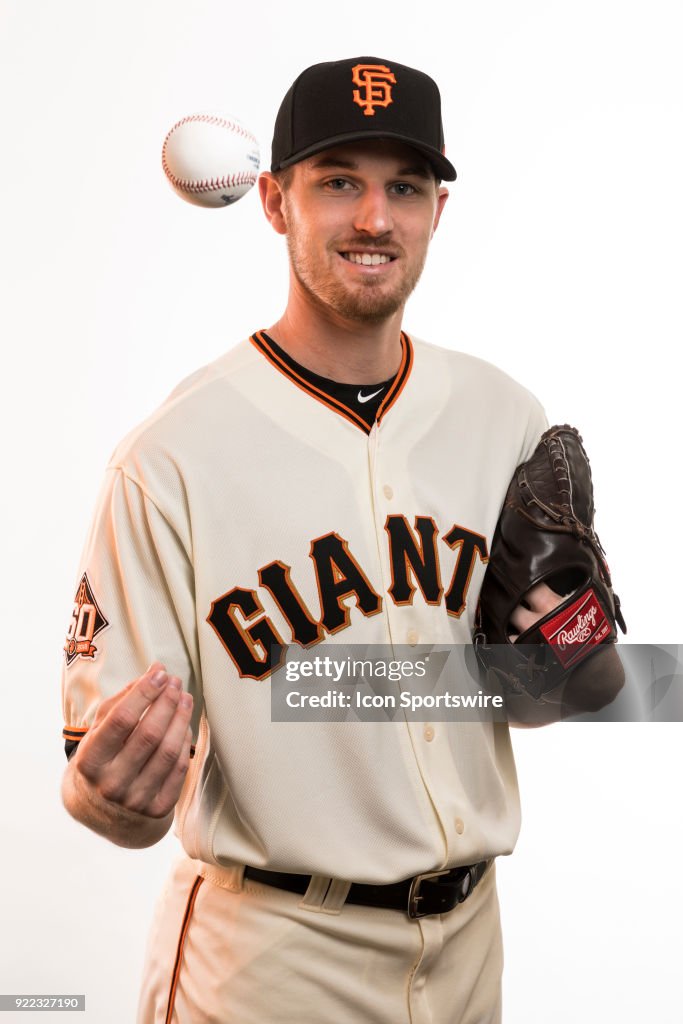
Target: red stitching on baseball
(212,119)
(209,184)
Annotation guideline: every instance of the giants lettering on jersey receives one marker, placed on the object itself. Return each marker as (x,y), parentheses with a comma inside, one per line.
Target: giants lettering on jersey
(251,638)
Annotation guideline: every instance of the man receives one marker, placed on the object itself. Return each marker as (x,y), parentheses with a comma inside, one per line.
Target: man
(329,480)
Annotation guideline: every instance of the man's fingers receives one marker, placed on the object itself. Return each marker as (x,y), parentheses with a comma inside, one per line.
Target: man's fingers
(168,794)
(541,600)
(122,713)
(523,619)
(155,792)
(139,747)
(155,745)
(144,741)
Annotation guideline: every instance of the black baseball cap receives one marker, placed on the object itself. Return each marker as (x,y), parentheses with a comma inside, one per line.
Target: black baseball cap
(360,98)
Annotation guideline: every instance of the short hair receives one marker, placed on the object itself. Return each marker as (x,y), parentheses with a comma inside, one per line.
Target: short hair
(284,176)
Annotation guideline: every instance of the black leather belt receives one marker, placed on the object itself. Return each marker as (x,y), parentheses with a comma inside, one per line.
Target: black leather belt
(434,892)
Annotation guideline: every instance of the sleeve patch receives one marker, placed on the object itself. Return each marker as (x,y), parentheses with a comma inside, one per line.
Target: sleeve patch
(87,620)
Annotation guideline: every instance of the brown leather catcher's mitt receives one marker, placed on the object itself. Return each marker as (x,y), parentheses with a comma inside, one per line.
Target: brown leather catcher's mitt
(545,534)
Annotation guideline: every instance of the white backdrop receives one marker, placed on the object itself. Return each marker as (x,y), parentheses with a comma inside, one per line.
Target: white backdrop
(559,258)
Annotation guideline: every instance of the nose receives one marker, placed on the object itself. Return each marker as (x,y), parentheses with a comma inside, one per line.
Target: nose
(372,212)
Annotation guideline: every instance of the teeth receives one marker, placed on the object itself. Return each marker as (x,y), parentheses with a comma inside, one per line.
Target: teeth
(367,259)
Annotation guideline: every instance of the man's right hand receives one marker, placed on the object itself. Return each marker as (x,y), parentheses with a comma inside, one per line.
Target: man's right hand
(135,757)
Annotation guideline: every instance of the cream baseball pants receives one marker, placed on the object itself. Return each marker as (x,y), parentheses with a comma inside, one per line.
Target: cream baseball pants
(224,951)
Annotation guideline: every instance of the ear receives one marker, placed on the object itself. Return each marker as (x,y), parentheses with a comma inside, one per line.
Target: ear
(440,203)
(272,200)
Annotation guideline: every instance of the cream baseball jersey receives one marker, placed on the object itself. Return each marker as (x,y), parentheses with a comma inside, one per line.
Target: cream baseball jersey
(252,510)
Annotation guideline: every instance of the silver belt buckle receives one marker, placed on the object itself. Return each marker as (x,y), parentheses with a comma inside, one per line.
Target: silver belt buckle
(414,891)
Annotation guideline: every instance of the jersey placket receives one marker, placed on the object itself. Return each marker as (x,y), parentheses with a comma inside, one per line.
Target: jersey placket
(417,735)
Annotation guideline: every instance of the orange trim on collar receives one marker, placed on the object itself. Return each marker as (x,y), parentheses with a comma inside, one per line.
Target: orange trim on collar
(260,341)
(401,377)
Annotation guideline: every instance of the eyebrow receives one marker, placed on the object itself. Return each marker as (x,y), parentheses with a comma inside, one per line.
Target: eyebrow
(418,170)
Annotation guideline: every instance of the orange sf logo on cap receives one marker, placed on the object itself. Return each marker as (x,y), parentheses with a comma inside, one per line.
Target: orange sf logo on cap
(375,80)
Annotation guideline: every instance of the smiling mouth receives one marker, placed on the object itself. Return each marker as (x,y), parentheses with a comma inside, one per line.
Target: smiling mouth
(367,259)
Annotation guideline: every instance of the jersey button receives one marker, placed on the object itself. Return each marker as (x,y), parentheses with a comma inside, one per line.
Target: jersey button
(413,637)
(388,492)
(429,733)
(459,826)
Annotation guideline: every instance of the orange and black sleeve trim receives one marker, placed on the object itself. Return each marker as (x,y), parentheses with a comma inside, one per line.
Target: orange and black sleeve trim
(73,736)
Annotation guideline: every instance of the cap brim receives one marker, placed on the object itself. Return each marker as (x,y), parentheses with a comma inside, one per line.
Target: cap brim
(444,168)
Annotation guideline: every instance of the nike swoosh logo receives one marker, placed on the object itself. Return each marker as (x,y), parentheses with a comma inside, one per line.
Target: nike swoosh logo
(366,398)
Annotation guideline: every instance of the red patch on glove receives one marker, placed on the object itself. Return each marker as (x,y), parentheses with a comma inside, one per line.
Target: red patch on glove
(577,629)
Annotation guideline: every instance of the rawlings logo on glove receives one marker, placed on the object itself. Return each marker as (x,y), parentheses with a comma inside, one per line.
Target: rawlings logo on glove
(545,534)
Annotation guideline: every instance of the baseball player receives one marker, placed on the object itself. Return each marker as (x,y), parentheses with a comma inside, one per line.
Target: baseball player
(330,480)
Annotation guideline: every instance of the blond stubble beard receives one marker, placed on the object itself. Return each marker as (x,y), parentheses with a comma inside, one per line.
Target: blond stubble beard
(366,304)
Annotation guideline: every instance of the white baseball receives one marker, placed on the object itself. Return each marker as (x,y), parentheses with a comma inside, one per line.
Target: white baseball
(210,160)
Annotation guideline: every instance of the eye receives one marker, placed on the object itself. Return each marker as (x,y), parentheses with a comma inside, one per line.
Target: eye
(404,188)
(337,184)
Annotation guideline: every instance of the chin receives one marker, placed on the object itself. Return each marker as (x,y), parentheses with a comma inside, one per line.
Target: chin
(367,308)
(366,313)
(366,304)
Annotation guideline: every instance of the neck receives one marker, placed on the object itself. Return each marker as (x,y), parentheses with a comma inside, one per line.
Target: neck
(348,351)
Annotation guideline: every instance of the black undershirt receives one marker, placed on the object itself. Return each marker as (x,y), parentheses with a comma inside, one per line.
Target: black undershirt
(348,394)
